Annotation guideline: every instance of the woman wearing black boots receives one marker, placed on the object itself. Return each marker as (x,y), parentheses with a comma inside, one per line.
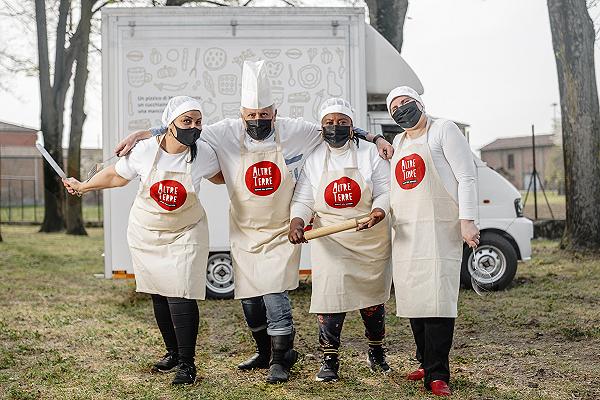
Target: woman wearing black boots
(168,230)
(350,270)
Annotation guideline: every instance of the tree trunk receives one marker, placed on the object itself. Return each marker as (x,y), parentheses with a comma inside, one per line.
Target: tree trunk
(573,38)
(388,18)
(53,191)
(75,223)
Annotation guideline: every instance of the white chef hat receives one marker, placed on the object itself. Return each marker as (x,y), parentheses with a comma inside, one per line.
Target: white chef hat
(336,105)
(256,87)
(403,91)
(178,105)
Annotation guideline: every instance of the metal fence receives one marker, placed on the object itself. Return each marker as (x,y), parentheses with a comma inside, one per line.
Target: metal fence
(22,193)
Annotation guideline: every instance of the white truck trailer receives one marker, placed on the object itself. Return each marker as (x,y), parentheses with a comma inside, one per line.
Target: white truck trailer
(151,54)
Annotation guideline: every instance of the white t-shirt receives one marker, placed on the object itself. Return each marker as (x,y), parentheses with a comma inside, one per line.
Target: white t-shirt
(453,160)
(375,172)
(139,162)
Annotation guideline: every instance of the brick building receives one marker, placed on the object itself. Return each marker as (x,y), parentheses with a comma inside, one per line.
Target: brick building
(21,168)
(513,157)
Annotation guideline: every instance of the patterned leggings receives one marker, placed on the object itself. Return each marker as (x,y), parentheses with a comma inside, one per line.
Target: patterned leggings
(330,328)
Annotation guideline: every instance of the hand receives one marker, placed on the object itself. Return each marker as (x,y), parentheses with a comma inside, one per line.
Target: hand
(376,216)
(469,232)
(125,145)
(385,149)
(73,186)
(296,234)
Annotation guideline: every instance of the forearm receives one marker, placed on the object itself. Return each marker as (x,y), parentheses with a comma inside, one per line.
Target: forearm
(364,135)
(382,201)
(105,179)
(302,211)
(153,131)
(467,199)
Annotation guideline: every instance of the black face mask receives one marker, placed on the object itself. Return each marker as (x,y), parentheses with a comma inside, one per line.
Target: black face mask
(408,115)
(259,129)
(188,136)
(336,135)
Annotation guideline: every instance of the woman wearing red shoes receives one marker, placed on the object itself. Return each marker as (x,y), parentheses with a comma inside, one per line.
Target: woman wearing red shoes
(433,202)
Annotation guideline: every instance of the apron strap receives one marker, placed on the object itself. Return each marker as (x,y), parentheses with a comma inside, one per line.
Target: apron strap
(277,138)
(243,148)
(154,160)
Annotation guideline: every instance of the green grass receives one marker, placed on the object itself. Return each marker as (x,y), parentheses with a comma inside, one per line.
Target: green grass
(65,334)
(555,201)
(32,214)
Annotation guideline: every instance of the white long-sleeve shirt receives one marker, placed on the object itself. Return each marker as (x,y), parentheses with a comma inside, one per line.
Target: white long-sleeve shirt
(375,171)
(453,160)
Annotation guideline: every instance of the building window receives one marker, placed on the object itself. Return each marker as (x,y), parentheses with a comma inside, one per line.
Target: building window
(511,161)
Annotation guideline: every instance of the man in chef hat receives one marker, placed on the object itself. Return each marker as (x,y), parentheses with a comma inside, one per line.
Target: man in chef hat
(261,156)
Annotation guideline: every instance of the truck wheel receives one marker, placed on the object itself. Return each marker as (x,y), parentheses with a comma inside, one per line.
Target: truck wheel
(496,256)
(219,276)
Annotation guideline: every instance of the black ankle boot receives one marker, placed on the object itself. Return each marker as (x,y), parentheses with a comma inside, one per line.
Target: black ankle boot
(261,358)
(186,374)
(283,358)
(329,369)
(376,359)
(167,363)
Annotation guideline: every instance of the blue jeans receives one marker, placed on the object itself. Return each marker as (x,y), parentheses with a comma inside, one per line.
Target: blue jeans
(272,311)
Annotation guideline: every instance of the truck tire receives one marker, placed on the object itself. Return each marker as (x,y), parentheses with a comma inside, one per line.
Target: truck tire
(219,276)
(497,256)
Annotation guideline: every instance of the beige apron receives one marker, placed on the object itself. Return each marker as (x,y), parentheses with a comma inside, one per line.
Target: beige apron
(168,235)
(427,243)
(264,261)
(350,270)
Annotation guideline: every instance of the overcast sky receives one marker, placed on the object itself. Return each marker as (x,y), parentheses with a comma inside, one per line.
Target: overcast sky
(488,63)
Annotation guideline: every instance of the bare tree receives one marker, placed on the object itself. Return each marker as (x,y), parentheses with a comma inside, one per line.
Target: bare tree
(53,95)
(388,18)
(573,38)
(74,215)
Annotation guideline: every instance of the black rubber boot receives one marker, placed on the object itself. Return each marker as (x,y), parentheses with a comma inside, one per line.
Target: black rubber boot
(186,374)
(167,363)
(329,369)
(261,358)
(376,360)
(283,358)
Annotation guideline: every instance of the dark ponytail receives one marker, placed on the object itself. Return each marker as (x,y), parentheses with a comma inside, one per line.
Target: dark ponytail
(193,152)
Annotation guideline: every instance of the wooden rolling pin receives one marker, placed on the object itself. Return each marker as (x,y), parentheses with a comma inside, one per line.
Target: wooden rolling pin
(335,228)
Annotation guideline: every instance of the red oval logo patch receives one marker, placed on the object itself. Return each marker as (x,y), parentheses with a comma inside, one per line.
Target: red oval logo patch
(342,193)
(410,171)
(168,194)
(263,178)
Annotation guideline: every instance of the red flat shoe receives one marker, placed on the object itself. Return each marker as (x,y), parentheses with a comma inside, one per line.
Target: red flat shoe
(416,375)
(440,388)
